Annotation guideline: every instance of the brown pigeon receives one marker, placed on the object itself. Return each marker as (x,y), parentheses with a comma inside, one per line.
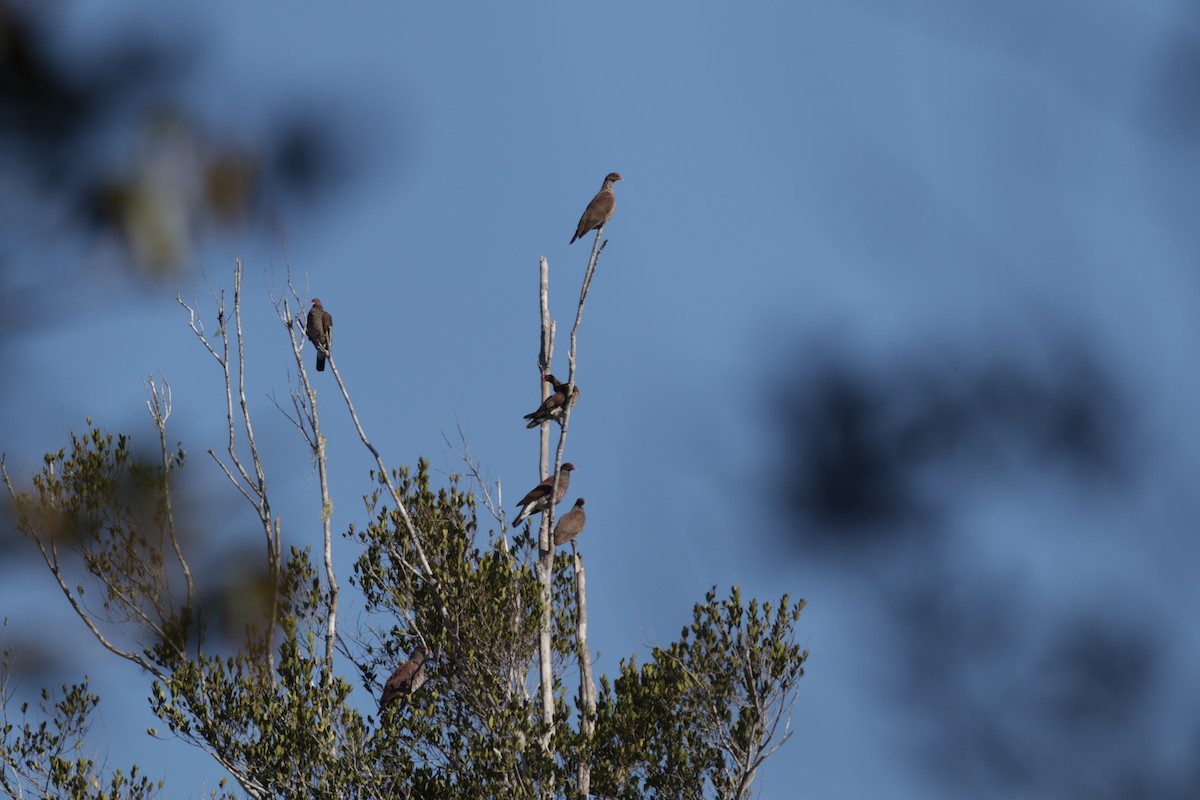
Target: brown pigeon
(539,498)
(600,210)
(554,406)
(320,331)
(571,524)
(406,680)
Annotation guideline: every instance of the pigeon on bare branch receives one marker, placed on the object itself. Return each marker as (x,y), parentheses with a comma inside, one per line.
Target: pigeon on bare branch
(553,407)
(538,498)
(320,331)
(571,524)
(600,210)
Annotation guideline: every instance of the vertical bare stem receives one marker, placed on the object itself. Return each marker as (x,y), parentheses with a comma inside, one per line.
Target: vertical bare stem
(587,685)
(545,357)
(307,406)
(274,554)
(545,551)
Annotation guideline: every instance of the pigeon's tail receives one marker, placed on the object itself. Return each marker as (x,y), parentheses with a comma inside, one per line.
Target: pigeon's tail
(320,361)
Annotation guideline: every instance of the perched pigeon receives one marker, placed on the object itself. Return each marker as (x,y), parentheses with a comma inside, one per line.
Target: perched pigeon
(320,331)
(554,406)
(539,499)
(600,210)
(571,524)
(407,678)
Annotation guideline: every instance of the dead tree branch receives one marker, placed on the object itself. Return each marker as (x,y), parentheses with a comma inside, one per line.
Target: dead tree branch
(308,422)
(546,547)
(253,488)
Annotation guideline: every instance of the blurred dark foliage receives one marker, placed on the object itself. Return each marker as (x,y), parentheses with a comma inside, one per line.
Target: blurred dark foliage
(1173,107)
(867,442)
(1016,702)
(1007,691)
(100,148)
(237,594)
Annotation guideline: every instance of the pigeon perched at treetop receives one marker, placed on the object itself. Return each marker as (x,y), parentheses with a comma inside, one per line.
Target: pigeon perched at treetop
(320,331)
(407,678)
(571,524)
(539,498)
(554,406)
(600,210)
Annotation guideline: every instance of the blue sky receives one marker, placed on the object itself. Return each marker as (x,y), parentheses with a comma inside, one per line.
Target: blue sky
(801,179)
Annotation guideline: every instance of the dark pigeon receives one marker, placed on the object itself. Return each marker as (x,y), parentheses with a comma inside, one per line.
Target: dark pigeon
(539,498)
(554,406)
(320,331)
(406,680)
(600,210)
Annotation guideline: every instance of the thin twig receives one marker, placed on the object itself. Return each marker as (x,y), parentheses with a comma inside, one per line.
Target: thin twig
(160,405)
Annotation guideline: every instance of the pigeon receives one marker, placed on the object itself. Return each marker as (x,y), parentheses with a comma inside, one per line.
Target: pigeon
(407,679)
(320,331)
(539,499)
(554,406)
(600,210)
(571,524)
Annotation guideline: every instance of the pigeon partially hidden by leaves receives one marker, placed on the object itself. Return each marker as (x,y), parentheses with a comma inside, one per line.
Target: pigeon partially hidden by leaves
(571,524)
(320,331)
(538,498)
(553,407)
(407,679)
(600,210)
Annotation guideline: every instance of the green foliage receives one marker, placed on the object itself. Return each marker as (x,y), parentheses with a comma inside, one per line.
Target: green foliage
(696,720)
(478,611)
(45,758)
(101,503)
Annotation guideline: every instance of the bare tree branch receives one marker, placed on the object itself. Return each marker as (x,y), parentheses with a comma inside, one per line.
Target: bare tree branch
(587,685)
(545,566)
(306,410)
(253,488)
(546,546)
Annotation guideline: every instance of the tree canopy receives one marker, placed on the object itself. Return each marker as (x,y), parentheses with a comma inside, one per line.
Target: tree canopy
(508,705)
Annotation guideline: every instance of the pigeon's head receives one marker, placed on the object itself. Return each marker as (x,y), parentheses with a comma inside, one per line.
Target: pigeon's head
(613,176)
(568,467)
(316,301)
(579,503)
(548,378)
